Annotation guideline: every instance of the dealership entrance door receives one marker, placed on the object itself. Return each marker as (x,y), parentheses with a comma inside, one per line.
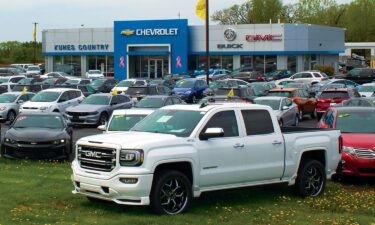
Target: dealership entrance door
(156,68)
(148,67)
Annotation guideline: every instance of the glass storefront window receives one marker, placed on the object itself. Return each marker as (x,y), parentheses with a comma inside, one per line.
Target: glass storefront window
(292,63)
(306,62)
(271,63)
(102,63)
(149,67)
(246,61)
(259,63)
(216,62)
(68,64)
(227,62)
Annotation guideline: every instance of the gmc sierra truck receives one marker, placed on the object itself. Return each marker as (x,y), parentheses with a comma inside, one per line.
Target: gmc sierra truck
(180,151)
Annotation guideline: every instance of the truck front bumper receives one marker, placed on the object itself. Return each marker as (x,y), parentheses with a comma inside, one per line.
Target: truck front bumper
(115,189)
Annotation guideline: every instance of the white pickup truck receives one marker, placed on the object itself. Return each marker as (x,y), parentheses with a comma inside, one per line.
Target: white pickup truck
(180,151)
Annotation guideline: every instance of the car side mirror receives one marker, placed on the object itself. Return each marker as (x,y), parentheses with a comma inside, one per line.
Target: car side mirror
(20,102)
(212,133)
(285,108)
(102,127)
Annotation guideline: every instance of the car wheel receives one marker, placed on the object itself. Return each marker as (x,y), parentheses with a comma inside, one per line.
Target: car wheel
(296,121)
(11,116)
(311,179)
(102,119)
(314,114)
(300,115)
(171,193)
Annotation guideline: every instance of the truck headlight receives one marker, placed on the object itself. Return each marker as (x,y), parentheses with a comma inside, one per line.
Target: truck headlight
(349,150)
(10,141)
(3,108)
(131,157)
(57,142)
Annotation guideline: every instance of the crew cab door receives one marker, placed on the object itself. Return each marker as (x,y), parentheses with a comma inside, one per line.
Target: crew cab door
(222,159)
(263,149)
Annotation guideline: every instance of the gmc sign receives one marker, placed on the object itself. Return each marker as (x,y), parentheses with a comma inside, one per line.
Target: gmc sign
(266,37)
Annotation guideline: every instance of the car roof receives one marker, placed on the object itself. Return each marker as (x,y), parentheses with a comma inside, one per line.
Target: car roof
(102,94)
(285,89)
(369,84)
(353,109)
(133,112)
(209,107)
(337,89)
(60,89)
(271,98)
(159,96)
(18,93)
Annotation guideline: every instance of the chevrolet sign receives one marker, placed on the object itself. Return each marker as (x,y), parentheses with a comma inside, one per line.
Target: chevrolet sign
(151,32)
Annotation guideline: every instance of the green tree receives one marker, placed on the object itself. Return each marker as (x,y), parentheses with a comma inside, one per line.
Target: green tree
(17,52)
(360,21)
(237,14)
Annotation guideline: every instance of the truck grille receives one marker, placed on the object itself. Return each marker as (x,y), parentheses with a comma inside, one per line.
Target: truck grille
(96,158)
(364,153)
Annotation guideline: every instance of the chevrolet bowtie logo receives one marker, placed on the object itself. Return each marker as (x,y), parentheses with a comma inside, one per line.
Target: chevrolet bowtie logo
(127,32)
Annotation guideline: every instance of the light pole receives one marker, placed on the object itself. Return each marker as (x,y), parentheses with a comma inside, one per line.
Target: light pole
(35,45)
(207,43)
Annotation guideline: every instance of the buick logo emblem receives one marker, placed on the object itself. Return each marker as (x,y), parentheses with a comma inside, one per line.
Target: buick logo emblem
(230,34)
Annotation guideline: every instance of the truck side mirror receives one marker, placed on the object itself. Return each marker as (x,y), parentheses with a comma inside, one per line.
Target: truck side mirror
(211,133)
(102,128)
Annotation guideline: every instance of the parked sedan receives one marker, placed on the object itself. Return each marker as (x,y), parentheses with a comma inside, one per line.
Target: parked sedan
(38,136)
(285,110)
(139,92)
(357,126)
(366,90)
(103,85)
(124,85)
(124,120)
(10,104)
(306,103)
(94,74)
(97,109)
(158,101)
(243,92)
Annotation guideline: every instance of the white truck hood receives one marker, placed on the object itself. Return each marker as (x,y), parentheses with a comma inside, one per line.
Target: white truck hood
(130,140)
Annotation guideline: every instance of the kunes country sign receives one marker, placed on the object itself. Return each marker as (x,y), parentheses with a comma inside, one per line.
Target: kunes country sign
(82,47)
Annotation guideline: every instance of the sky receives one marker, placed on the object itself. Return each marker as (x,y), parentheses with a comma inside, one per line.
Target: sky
(17,16)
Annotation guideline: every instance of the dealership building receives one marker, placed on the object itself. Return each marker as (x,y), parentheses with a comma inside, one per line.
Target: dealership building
(154,48)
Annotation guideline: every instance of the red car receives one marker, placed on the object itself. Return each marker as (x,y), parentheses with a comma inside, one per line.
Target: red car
(357,125)
(332,97)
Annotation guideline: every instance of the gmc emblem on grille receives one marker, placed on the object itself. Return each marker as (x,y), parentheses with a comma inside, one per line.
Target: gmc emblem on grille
(92,154)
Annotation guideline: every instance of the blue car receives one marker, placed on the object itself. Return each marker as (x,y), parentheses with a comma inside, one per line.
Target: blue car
(190,89)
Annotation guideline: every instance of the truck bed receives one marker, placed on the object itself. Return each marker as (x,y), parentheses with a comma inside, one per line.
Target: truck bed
(301,129)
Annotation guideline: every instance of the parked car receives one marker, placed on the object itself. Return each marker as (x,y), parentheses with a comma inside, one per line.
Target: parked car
(85,89)
(332,83)
(331,97)
(361,75)
(190,89)
(357,126)
(56,75)
(10,104)
(310,76)
(306,103)
(139,92)
(53,100)
(52,82)
(123,86)
(33,70)
(38,136)
(11,79)
(253,76)
(94,74)
(6,72)
(214,85)
(158,101)
(285,110)
(278,74)
(97,109)
(243,92)
(31,84)
(168,83)
(283,82)
(181,151)
(358,102)
(124,119)
(103,85)
(77,81)
(366,90)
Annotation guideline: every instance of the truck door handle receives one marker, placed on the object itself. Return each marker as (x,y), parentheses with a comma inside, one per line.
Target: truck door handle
(238,145)
(277,142)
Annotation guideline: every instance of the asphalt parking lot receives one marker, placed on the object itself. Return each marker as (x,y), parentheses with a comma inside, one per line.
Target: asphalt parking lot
(80,132)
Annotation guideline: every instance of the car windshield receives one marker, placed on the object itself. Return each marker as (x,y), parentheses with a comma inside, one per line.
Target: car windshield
(150,103)
(124,122)
(137,90)
(125,83)
(72,82)
(177,122)
(332,86)
(366,88)
(156,82)
(274,104)
(25,81)
(8,98)
(356,122)
(4,80)
(46,96)
(184,84)
(33,68)
(39,121)
(96,83)
(223,91)
(334,94)
(97,100)
(288,94)
(94,72)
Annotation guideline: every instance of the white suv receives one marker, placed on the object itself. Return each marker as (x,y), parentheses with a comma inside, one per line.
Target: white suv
(313,76)
(94,74)
(53,100)
(124,85)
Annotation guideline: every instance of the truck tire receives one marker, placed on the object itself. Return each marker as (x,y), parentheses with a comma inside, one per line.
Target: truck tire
(171,193)
(311,179)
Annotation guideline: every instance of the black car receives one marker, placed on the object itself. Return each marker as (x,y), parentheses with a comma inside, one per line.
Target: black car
(158,101)
(103,85)
(168,83)
(141,91)
(253,76)
(361,75)
(38,136)
(243,92)
(278,74)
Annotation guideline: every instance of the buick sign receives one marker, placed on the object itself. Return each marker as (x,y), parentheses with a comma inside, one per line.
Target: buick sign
(230,34)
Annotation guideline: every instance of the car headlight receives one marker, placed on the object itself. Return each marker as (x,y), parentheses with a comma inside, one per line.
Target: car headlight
(3,108)
(60,141)
(10,141)
(349,150)
(131,157)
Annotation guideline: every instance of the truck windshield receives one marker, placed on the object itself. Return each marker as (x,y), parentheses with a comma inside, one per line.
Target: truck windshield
(124,122)
(177,122)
